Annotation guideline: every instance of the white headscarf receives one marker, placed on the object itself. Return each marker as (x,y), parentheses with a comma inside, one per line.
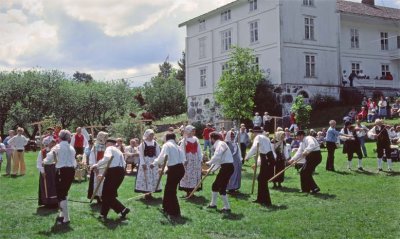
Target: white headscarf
(189,128)
(147,133)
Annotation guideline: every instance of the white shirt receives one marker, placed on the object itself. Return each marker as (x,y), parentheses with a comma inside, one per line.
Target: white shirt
(343,137)
(39,161)
(363,131)
(257,120)
(65,155)
(118,160)
(372,132)
(85,142)
(309,144)
(2,149)
(175,154)
(192,140)
(264,145)
(266,118)
(222,154)
(131,152)
(18,142)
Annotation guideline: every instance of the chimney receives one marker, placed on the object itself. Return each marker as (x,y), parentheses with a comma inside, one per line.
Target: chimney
(369,2)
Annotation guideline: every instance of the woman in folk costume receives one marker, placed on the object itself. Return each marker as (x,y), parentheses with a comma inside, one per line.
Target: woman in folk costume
(47,177)
(147,177)
(190,145)
(236,178)
(96,155)
(282,155)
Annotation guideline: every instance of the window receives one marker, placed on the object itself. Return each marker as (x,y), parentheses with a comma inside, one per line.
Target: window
(253,5)
(226,40)
(224,67)
(226,16)
(385,69)
(202,47)
(202,25)
(355,67)
(254,32)
(203,77)
(398,42)
(310,66)
(309,28)
(384,41)
(355,43)
(308,2)
(257,62)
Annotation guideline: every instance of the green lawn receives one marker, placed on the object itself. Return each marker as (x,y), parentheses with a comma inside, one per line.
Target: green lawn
(351,205)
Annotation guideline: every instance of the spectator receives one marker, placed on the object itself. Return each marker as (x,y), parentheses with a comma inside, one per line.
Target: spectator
(395,108)
(364,102)
(18,142)
(9,152)
(371,110)
(353,114)
(344,78)
(257,120)
(382,104)
(223,132)
(293,124)
(351,78)
(266,121)
(389,76)
(206,137)
(361,75)
(362,115)
(321,139)
(288,136)
(120,145)
(2,150)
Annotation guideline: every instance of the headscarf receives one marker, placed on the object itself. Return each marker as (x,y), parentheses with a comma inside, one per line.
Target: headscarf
(147,133)
(189,128)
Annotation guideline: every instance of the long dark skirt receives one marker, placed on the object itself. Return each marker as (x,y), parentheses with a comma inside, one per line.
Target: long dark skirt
(47,187)
(279,166)
(91,183)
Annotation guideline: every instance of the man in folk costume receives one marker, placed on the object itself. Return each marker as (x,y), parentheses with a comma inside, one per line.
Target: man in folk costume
(351,144)
(63,155)
(235,180)
(282,155)
(222,157)
(176,170)
(190,145)
(115,174)
(146,179)
(381,135)
(96,155)
(267,165)
(47,176)
(79,142)
(310,150)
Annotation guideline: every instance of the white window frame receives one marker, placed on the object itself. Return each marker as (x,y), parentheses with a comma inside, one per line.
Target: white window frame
(202,47)
(310,64)
(385,68)
(309,28)
(254,33)
(253,5)
(202,25)
(308,3)
(203,77)
(226,40)
(225,16)
(384,41)
(355,67)
(354,38)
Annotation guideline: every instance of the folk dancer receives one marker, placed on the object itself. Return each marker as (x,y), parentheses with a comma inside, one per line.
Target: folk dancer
(47,176)
(79,142)
(351,144)
(267,165)
(236,178)
(18,142)
(222,157)
(244,140)
(381,135)
(63,155)
(114,176)
(190,145)
(146,179)
(96,154)
(176,170)
(310,150)
(282,155)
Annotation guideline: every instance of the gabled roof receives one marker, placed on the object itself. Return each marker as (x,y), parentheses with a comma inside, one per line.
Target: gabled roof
(368,10)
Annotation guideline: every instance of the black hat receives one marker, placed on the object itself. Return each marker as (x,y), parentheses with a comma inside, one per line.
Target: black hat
(300,132)
(257,129)
(347,123)
(111,140)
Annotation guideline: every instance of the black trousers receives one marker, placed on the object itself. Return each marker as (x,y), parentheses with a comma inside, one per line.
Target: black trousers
(307,181)
(266,172)
(170,200)
(331,147)
(222,179)
(113,179)
(243,150)
(64,178)
(381,147)
(356,149)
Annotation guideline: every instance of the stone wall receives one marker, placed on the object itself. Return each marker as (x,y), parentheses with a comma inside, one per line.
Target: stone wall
(204,109)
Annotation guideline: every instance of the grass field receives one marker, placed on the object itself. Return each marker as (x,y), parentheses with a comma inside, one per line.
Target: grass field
(351,205)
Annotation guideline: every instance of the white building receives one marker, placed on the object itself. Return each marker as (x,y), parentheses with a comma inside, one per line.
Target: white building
(302,45)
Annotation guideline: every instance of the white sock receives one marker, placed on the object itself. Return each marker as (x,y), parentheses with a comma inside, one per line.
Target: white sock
(360,163)
(349,162)
(64,206)
(226,203)
(379,163)
(389,163)
(214,198)
(60,214)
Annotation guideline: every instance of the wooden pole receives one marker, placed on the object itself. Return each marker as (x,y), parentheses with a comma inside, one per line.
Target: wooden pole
(101,180)
(255,168)
(276,175)
(201,181)
(162,172)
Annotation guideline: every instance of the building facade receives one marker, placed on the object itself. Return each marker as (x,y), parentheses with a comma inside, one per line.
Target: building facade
(303,47)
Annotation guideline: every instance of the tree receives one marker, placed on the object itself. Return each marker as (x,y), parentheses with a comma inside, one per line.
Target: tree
(181,74)
(265,99)
(82,77)
(165,69)
(237,87)
(302,111)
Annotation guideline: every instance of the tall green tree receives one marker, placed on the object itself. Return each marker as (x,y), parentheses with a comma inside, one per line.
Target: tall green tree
(237,87)
(265,99)
(82,77)
(181,74)
(302,111)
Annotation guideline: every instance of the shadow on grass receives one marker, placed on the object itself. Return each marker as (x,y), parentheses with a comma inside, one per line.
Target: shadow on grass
(324,196)
(44,211)
(56,229)
(274,208)
(112,224)
(240,195)
(392,173)
(95,207)
(199,200)
(365,172)
(151,202)
(232,216)
(173,220)
(287,190)
(341,172)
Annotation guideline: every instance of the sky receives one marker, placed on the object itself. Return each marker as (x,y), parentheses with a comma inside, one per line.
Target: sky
(109,39)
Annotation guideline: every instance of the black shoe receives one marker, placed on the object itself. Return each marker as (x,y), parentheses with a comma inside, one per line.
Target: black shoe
(360,168)
(124,213)
(59,220)
(226,210)
(13,175)
(274,186)
(279,185)
(380,170)
(212,206)
(315,191)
